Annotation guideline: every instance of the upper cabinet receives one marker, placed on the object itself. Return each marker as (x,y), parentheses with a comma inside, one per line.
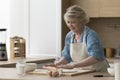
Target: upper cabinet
(109,8)
(99,8)
(90,6)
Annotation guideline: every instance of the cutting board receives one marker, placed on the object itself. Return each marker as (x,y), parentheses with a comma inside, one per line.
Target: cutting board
(76,72)
(65,72)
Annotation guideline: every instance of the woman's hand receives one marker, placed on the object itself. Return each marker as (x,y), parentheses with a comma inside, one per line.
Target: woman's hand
(67,66)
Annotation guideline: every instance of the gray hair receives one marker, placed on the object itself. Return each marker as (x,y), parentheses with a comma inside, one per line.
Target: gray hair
(76,12)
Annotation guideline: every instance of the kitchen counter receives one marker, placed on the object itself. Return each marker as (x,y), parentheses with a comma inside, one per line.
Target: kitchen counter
(12,62)
(111,60)
(11,74)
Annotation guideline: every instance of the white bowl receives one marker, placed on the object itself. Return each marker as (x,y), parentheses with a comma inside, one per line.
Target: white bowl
(30,67)
(111,71)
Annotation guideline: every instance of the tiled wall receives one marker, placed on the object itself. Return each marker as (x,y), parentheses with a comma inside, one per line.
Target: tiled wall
(108,30)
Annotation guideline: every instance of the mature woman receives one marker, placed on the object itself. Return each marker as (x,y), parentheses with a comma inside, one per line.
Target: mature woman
(82,44)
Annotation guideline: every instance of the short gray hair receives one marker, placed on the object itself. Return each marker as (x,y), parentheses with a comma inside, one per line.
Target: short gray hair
(77,12)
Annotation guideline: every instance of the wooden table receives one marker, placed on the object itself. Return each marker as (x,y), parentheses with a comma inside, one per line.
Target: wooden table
(11,74)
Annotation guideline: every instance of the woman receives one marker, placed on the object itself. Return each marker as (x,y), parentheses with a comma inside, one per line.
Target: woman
(82,45)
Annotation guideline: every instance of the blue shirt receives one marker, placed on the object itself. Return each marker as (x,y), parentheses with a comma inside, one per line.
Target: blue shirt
(93,44)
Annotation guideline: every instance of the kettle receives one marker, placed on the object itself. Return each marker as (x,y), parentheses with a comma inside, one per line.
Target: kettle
(3,51)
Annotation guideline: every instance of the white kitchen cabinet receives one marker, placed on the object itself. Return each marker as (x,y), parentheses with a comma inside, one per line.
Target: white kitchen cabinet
(44,31)
(109,8)
(99,8)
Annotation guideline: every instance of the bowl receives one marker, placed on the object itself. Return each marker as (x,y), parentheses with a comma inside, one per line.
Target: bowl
(111,70)
(30,67)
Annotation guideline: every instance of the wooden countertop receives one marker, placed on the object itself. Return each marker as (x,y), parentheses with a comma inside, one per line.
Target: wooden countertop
(11,74)
(36,60)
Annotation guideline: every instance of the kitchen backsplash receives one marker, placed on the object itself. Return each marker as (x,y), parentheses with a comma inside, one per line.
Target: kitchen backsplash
(108,30)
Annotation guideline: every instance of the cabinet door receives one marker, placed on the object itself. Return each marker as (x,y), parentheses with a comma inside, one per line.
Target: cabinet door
(44,27)
(90,6)
(109,8)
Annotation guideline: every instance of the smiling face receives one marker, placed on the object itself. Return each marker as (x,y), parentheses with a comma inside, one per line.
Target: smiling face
(74,25)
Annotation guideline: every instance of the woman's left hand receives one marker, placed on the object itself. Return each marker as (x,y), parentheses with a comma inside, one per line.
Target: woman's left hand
(67,66)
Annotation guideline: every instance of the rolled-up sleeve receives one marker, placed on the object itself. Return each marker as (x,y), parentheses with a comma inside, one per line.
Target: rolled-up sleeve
(66,50)
(94,46)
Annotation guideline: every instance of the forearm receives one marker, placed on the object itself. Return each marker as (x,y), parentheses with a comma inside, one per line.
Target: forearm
(61,61)
(86,62)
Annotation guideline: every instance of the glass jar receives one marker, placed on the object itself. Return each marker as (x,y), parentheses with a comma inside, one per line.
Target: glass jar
(20,66)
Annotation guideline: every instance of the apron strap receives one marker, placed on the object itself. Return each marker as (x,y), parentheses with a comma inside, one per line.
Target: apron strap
(72,38)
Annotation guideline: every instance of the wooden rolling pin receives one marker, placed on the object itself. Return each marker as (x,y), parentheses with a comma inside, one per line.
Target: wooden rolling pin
(53,71)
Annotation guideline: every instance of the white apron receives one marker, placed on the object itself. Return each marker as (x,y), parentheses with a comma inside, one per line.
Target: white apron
(78,52)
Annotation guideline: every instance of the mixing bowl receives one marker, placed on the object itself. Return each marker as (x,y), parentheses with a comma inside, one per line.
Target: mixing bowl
(111,70)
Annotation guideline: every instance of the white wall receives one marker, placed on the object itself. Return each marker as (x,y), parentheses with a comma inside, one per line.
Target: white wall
(4,13)
(17,18)
(13,16)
